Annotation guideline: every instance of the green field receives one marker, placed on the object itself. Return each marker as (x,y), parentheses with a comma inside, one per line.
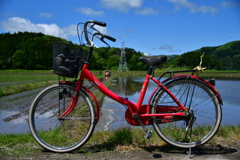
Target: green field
(16,81)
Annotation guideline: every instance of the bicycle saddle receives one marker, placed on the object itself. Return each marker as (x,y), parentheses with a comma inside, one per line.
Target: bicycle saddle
(153,60)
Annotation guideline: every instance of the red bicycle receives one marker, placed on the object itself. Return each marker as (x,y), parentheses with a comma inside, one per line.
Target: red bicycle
(184,109)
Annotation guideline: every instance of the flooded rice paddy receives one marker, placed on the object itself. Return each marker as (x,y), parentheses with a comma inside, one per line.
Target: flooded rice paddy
(14,108)
(115,112)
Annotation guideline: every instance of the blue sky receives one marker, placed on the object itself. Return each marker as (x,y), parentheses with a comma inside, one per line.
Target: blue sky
(150,26)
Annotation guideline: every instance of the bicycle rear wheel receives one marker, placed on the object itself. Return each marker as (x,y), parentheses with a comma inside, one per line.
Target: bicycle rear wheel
(204,113)
(61,133)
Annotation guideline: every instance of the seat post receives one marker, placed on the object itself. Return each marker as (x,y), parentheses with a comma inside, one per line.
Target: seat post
(150,70)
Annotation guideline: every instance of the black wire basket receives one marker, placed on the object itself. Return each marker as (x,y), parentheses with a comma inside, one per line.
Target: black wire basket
(68,59)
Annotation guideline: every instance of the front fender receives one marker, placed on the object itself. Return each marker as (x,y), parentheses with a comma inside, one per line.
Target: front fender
(95,101)
(88,93)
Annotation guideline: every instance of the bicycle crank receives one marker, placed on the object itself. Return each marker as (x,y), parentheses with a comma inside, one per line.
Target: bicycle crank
(148,131)
(190,120)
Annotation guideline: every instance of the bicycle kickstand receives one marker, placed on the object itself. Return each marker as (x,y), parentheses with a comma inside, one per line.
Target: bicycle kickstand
(190,148)
(148,131)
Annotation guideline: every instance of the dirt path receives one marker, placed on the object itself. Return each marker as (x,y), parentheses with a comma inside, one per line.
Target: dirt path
(206,152)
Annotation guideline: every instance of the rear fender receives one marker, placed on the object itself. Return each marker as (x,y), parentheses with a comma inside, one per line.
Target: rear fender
(186,76)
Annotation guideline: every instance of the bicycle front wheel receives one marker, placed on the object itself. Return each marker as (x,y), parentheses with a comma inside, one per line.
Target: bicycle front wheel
(61,133)
(204,113)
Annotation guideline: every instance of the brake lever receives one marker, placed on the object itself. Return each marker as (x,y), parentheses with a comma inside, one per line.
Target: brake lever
(102,39)
(92,27)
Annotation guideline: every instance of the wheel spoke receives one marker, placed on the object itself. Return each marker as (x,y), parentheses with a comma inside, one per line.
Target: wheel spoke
(61,133)
(204,113)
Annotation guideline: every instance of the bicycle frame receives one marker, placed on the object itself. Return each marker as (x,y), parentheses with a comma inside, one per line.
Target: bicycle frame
(136,113)
(142,111)
(179,108)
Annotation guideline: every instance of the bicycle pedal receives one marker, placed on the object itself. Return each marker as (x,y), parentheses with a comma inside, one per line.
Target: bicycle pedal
(149,134)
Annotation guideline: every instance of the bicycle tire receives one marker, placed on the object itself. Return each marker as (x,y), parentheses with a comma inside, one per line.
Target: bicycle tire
(54,132)
(205,106)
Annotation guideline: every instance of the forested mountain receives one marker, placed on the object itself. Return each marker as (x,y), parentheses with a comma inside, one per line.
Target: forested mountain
(224,57)
(25,50)
(108,58)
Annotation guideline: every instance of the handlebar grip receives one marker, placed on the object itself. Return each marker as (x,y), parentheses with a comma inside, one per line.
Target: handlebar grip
(85,28)
(103,24)
(110,38)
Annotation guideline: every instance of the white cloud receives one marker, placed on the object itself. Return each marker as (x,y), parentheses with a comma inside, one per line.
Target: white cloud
(101,29)
(122,5)
(229,4)
(146,11)
(89,11)
(193,8)
(126,5)
(16,24)
(46,15)
(146,54)
(122,36)
(166,47)
(173,51)
(130,31)
(69,30)
(205,9)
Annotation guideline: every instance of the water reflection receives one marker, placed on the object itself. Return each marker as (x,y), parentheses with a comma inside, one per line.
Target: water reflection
(123,83)
(130,87)
(14,111)
(14,108)
(113,113)
(230,92)
(126,86)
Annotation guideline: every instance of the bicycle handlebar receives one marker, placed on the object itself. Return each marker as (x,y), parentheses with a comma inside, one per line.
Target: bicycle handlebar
(110,38)
(103,24)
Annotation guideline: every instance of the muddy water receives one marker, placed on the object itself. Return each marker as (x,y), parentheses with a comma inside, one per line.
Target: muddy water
(14,111)
(14,108)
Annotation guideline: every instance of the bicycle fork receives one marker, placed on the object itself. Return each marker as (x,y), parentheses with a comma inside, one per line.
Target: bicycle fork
(71,105)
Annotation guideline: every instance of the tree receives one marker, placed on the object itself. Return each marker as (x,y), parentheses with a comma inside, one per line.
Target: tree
(19,60)
(27,50)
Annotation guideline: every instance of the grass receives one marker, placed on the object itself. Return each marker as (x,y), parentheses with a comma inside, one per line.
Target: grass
(121,139)
(11,144)
(18,144)
(16,81)
(218,74)
(229,132)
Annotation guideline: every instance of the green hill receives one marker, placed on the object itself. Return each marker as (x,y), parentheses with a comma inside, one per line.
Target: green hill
(223,57)
(33,51)
(27,50)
